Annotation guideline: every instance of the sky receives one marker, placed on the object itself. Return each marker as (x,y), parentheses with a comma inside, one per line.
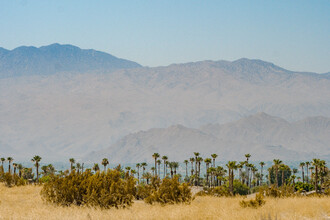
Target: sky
(293,34)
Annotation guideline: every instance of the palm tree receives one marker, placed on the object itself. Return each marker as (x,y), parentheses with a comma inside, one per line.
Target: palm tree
(143,165)
(262,164)
(155,156)
(213,157)
(36,159)
(147,176)
(138,165)
(240,167)
(196,156)
(78,165)
(9,159)
(175,166)
(2,161)
(128,169)
(302,164)
(171,165)
(316,163)
(153,171)
(14,165)
(158,165)
(186,162)
(133,172)
(199,160)
(105,162)
(207,163)
(277,163)
(192,160)
(164,158)
(282,169)
(231,165)
(72,162)
(247,170)
(307,164)
(96,167)
(20,168)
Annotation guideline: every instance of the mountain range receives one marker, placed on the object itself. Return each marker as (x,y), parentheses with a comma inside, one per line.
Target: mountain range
(63,114)
(56,58)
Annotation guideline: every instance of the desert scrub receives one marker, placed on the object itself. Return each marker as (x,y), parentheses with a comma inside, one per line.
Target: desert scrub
(170,191)
(104,190)
(253,203)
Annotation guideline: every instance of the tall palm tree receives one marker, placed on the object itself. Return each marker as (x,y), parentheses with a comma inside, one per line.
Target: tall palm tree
(277,163)
(9,159)
(175,166)
(247,169)
(155,156)
(196,156)
(207,163)
(171,165)
(186,162)
(158,166)
(14,165)
(36,159)
(164,158)
(231,165)
(105,163)
(262,164)
(20,168)
(316,163)
(138,165)
(307,164)
(143,165)
(240,166)
(199,160)
(302,164)
(2,161)
(78,165)
(192,160)
(153,171)
(282,169)
(72,162)
(213,157)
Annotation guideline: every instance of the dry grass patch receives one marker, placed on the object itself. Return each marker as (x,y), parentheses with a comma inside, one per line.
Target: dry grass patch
(25,203)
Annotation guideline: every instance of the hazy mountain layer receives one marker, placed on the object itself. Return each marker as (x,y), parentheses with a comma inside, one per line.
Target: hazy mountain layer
(68,115)
(263,136)
(57,58)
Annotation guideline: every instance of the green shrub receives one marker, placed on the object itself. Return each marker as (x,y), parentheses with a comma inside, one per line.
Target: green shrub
(170,191)
(240,188)
(254,203)
(104,190)
(299,186)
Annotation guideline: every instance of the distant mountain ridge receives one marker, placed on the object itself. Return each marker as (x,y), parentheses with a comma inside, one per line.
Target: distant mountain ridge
(264,136)
(55,58)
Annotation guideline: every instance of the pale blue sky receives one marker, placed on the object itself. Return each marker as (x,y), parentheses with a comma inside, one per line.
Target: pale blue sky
(291,34)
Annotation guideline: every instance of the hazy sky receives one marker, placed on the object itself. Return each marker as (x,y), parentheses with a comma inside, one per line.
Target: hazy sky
(291,34)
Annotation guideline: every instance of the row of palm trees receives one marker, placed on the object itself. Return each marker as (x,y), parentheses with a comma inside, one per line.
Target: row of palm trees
(214,176)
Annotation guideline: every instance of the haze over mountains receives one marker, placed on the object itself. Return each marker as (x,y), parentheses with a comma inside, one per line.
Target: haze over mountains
(264,136)
(73,112)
